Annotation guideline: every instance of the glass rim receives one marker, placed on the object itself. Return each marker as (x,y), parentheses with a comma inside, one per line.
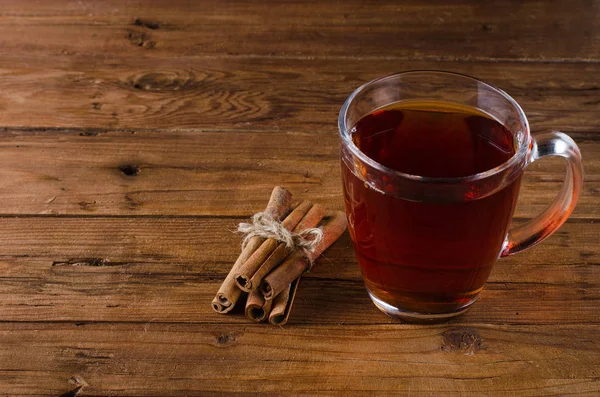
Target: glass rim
(516,158)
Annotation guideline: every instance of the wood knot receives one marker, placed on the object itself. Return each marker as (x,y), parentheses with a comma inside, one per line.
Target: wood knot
(140,39)
(225,339)
(79,384)
(84,262)
(146,24)
(89,133)
(87,205)
(162,81)
(130,169)
(461,339)
(487,27)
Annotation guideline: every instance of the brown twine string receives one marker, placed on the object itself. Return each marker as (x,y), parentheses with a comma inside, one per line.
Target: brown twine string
(263,225)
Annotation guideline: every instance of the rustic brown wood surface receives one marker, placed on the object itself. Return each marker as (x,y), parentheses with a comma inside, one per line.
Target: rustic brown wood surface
(135,135)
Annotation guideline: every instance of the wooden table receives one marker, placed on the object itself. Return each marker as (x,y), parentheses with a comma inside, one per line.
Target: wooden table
(137,134)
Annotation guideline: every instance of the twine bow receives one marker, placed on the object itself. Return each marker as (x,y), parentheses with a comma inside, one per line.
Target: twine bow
(263,225)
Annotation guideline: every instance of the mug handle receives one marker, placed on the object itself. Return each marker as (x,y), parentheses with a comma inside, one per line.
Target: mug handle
(546,223)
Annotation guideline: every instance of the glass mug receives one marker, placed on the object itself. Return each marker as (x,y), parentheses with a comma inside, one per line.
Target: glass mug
(426,244)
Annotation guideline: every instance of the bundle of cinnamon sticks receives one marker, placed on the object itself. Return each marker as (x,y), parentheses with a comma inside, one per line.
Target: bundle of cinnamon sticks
(268,269)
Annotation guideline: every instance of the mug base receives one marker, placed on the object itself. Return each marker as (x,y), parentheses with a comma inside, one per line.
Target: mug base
(417,318)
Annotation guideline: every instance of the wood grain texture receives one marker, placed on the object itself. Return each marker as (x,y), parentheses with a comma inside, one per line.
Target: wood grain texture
(135,135)
(465,29)
(208,173)
(261,93)
(168,270)
(201,360)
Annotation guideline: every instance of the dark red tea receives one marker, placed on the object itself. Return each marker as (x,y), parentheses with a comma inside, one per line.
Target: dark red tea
(429,257)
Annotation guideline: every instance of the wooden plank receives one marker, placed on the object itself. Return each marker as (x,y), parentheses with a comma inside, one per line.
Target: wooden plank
(208,173)
(172,360)
(466,29)
(217,173)
(136,135)
(168,270)
(97,92)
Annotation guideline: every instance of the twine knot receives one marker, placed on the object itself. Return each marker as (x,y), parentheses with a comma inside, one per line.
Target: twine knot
(265,226)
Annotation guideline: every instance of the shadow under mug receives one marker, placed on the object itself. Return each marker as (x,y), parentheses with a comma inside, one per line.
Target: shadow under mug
(420,260)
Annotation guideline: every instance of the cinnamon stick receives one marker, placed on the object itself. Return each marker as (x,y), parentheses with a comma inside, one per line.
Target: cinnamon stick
(257,308)
(228,294)
(280,312)
(310,220)
(245,272)
(297,263)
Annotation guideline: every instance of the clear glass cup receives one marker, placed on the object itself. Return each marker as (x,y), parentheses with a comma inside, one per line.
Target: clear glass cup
(426,245)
